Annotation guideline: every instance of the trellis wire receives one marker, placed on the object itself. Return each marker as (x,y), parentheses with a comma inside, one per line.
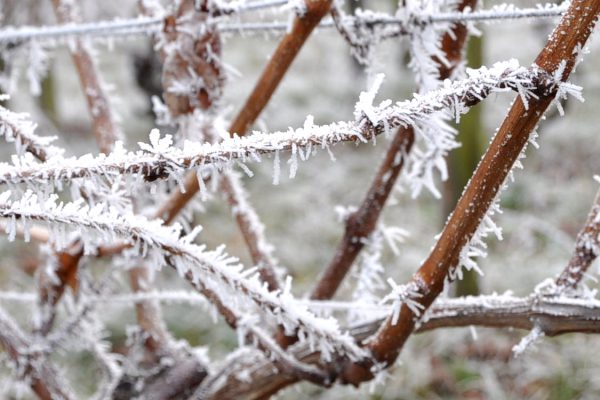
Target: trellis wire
(146,26)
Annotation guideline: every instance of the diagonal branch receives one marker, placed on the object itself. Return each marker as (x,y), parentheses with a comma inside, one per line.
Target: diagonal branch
(587,249)
(557,58)
(361,223)
(160,160)
(286,52)
(195,263)
(103,122)
(41,374)
(17,128)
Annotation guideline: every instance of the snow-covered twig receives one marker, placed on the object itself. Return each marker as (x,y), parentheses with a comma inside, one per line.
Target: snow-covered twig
(195,263)
(252,228)
(587,249)
(19,129)
(151,25)
(34,368)
(160,159)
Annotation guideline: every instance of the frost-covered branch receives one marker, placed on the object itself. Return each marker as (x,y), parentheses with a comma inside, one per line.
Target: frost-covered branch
(103,120)
(558,59)
(556,316)
(587,249)
(19,129)
(30,366)
(252,228)
(360,224)
(160,159)
(147,25)
(164,247)
(150,25)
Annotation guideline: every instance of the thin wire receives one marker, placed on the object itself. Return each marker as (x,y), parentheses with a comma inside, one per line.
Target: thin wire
(119,27)
(147,26)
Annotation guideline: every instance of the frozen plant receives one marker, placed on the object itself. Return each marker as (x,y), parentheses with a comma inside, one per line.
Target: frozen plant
(120,225)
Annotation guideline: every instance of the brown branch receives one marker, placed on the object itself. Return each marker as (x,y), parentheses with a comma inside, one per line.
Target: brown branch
(587,249)
(251,228)
(106,132)
(571,33)
(35,368)
(361,223)
(286,52)
(556,316)
(103,123)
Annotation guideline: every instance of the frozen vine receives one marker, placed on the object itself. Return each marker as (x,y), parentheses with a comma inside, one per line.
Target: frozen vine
(160,159)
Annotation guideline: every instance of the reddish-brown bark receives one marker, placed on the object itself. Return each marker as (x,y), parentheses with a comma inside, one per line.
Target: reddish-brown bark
(571,33)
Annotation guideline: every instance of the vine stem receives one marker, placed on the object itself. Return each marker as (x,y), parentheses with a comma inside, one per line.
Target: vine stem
(557,57)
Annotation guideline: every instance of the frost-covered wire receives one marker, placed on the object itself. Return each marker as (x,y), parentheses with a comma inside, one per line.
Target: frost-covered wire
(160,159)
(34,368)
(150,25)
(164,246)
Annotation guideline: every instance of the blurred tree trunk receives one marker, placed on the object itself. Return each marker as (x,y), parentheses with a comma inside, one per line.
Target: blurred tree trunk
(463,161)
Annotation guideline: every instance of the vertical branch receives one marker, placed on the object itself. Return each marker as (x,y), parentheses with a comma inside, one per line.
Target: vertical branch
(103,123)
(587,249)
(559,55)
(361,223)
